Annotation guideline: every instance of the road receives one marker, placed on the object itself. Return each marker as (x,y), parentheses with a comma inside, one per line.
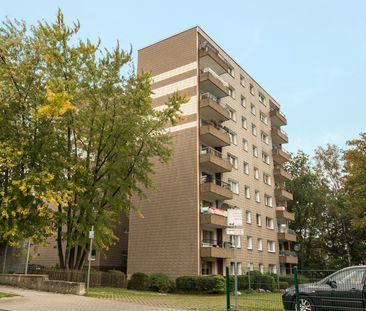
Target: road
(29,300)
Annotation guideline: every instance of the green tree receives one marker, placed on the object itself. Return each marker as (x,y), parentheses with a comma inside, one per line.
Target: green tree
(98,132)
(309,207)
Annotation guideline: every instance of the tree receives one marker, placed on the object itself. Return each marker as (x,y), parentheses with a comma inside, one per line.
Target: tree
(98,133)
(309,208)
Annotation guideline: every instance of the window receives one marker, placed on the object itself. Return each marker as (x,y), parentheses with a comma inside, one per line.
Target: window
(261,268)
(248,217)
(268,200)
(267,179)
(237,243)
(254,130)
(349,277)
(246,168)
(260,244)
(251,89)
(257,196)
(232,92)
(207,267)
(269,223)
(272,269)
(244,123)
(258,220)
(242,101)
(242,80)
(249,242)
(263,117)
(252,109)
(233,160)
(247,192)
(231,71)
(256,173)
(207,238)
(250,266)
(232,113)
(255,151)
(264,138)
(234,186)
(245,145)
(239,267)
(262,99)
(271,246)
(265,157)
(233,137)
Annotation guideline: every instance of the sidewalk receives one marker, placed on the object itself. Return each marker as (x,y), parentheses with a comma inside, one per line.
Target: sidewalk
(30,300)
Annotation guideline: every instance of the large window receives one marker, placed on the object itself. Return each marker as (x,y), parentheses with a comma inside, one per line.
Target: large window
(233,137)
(248,217)
(247,192)
(249,242)
(255,151)
(264,138)
(232,113)
(258,219)
(269,223)
(268,200)
(271,246)
(239,267)
(242,80)
(257,196)
(265,157)
(267,179)
(260,244)
(252,109)
(245,144)
(207,267)
(235,242)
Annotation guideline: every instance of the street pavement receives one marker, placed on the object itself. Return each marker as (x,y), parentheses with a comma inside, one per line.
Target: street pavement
(30,300)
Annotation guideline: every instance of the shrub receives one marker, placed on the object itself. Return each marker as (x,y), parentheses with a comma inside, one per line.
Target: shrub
(159,282)
(283,285)
(266,282)
(207,284)
(243,282)
(114,278)
(290,279)
(138,281)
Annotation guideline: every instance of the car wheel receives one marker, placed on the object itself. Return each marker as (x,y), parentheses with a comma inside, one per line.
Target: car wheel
(305,305)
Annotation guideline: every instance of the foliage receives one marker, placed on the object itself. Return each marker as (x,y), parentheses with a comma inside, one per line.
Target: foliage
(283,285)
(210,284)
(77,137)
(159,282)
(138,281)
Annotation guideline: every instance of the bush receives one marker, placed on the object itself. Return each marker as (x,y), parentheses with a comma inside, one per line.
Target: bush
(266,282)
(159,282)
(138,281)
(114,278)
(290,279)
(210,284)
(283,285)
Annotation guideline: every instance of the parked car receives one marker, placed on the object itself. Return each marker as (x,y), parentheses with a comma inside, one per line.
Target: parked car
(340,291)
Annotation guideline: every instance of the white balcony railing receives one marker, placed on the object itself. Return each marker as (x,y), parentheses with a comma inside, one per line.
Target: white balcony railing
(216,76)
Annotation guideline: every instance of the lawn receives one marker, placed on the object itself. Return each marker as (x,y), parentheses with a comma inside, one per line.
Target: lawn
(2,295)
(247,301)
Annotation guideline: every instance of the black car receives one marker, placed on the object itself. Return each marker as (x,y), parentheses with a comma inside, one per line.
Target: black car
(342,290)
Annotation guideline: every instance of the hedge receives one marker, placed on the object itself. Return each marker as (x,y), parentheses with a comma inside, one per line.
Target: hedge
(159,282)
(138,281)
(207,284)
(255,280)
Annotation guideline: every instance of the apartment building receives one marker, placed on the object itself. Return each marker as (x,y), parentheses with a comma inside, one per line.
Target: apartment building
(227,153)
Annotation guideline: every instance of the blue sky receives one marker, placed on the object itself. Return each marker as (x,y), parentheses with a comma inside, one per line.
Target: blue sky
(310,55)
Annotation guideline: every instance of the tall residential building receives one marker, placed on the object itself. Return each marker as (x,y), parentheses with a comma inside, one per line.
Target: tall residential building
(227,152)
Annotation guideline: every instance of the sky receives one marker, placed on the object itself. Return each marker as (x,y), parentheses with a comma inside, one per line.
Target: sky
(309,55)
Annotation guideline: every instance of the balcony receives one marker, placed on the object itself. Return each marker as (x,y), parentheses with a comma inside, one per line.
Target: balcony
(281,174)
(210,109)
(213,161)
(280,155)
(279,136)
(285,234)
(210,57)
(211,189)
(288,257)
(213,221)
(277,117)
(211,82)
(283,195)
(283,214)
(216,249)
(212,134)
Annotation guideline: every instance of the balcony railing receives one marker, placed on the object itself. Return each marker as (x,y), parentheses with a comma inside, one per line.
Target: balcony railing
(207,46)
(216,243)
(280,148)
(280,129)
(210,96)
(215,75)
(218,182)
(286,230)
(288,253)
(210,150)
(215,125)
(279,111)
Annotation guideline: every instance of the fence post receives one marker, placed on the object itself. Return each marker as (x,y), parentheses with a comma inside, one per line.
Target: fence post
(297,297)
(249,285)
(227,289)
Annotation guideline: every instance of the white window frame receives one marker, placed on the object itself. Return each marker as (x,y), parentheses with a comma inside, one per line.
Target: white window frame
(253,110)
(260,244)
(248,217)
(269,223)
(263,117)
(258,220)
(242,80)
(233,160)
(255,151)
(254,129)
(232,113)
(268,201)
(234,186)
(267,179)
(243,101)
(271,246)
(256,173)
(244,123)
(249,242)
(257,196)
(246,168)
(247,192)
(251,89)
(265,158)
(233,137)
(264,138)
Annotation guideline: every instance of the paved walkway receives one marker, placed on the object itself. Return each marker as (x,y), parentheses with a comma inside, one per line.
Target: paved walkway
(29,300)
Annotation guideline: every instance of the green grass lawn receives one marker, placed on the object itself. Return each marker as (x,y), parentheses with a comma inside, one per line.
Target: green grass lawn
(2,295)
(247,301)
